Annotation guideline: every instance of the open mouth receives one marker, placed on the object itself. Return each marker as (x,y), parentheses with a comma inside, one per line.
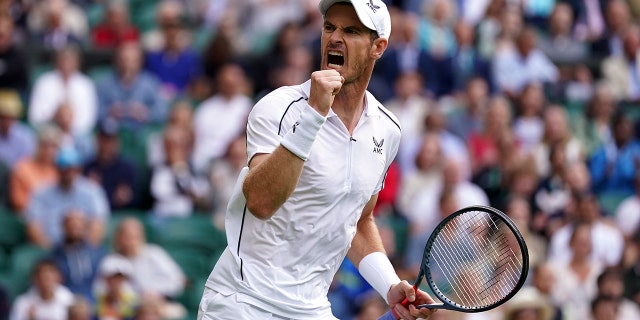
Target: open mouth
(335,59)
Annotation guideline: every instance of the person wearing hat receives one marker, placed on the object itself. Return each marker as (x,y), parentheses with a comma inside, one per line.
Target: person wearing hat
(318,155)
(48,206)
(110,169)
(115,298)
(528,304)
(17,141)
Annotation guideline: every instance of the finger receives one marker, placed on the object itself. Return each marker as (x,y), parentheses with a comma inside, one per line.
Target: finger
(404,313)
(409,292)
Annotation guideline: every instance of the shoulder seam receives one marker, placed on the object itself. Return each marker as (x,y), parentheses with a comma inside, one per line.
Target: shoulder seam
(285,112)
(390,118)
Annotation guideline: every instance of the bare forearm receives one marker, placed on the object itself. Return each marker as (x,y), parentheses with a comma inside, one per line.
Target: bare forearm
(270,181)
(367,238)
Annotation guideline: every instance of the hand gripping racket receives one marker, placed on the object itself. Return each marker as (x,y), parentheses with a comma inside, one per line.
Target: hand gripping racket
(475,260)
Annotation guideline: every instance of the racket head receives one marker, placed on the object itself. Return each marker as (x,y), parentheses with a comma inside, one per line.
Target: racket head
(475,260)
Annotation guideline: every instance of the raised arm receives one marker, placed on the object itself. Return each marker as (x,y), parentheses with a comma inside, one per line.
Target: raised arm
(273,177)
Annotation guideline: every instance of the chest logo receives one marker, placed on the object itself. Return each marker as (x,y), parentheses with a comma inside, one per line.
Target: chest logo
(377,145)
(295,125)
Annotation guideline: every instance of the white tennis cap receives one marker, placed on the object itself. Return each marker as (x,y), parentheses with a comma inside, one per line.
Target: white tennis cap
(372,13)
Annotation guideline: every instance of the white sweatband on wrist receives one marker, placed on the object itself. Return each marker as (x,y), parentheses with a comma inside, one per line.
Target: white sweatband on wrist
(300,138)
(378,271)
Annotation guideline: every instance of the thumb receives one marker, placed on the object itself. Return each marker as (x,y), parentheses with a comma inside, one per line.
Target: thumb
(409,291)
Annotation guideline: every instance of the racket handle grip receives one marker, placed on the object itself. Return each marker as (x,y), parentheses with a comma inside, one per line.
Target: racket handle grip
(404,303)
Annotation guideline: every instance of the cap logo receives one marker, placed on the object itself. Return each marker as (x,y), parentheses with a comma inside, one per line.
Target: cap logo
(373,7)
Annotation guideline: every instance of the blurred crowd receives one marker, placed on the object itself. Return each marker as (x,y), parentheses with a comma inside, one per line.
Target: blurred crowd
(121,118)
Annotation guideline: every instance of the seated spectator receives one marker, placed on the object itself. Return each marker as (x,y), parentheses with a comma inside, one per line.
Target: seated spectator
(611,284)
(49,205)
(58,23)
(606,308)
(17,141)
(175,186)
(468,119)
(557,132)
(553,193)
(221,118)
(620,71)
(607,241)
(82,142)
(46,299)
(80,309)
(65,84)
(154,274)
(617,19)
(76,258)
(15,75)
(176,64)
(35,172)
(453,148)
(519,210)
(528,304)
(614,165)
(560,45)
(528,126)
(180,115)
(435,31)
(115,297)
(544,280)
(225,171)
(515,68)
(576,278)
(595,130)
(483,145)
(129,94)
(626,216)
(115,28)
(116,175)
(411,107)
(167,12)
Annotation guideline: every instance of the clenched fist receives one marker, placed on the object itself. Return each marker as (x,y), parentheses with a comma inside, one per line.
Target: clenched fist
(325,85)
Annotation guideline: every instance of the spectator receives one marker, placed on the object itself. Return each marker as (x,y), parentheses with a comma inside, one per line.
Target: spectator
(65,84)
(596,129)
(528,126)
(560,45)
(614,165)
(617,18)
(55,34)
(154,274)
(129,94)
(544,280)
(528,304)
(49,205)
(176,188)
(82,142)
(180,115)
(519,210)
(576,279)
(526,63)
(468,118)
(626,215)
(557,131)
(621,71)
(435,31)
(176,64)
(167,12)
(116,27)
(453,148)
(46,299)
(451,76)
(607,241)
(611,284)
(115,297)
(80,309)
(219,119)
(76,258)
(411,108)
(17,141)
(223,174)
(33,173)
(606,308)
(553,193)
(483,145)
(632,271)
(109,169)
(589,19)
(14,75)
(58,23)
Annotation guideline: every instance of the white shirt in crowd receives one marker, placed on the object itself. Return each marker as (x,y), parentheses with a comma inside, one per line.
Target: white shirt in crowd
(54,309)
(607,241)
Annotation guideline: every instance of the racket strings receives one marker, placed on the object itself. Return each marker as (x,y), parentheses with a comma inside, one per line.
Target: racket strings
(475,265)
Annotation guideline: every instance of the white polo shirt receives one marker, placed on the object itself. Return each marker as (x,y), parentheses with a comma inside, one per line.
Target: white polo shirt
(285,264)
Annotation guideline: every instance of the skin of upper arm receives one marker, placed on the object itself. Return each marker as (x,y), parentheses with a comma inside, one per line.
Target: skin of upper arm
(367,238)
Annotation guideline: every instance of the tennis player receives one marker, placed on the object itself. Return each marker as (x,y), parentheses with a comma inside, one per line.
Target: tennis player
(318,154)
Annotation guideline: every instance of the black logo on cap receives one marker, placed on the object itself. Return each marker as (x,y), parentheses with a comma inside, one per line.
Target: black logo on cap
(373,7)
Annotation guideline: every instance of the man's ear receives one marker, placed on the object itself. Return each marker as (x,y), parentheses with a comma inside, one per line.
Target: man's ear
(378,47)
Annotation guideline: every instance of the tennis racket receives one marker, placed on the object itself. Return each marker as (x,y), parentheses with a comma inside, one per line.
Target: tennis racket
(474,260)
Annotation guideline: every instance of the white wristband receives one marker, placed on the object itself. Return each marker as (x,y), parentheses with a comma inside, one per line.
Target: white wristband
(378,271)
(300,138)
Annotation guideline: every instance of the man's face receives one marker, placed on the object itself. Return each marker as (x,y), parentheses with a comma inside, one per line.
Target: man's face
(347,44)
